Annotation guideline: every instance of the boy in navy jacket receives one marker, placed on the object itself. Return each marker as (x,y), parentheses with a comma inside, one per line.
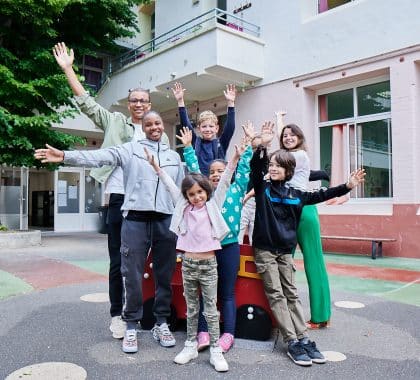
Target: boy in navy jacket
(207,145)
(278,210)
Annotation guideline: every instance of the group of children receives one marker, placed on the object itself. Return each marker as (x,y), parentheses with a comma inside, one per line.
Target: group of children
(206,215)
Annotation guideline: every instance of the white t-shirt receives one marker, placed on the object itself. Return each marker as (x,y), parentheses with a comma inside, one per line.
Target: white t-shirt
(300,179)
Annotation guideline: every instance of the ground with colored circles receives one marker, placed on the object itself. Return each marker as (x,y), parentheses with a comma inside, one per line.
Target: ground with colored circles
(54,321)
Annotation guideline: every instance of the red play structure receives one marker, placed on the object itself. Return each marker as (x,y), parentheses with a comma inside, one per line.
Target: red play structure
(254,319)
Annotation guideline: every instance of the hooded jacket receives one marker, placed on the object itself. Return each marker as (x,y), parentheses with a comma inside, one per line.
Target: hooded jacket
(219,228)
(144,191)
(279,207)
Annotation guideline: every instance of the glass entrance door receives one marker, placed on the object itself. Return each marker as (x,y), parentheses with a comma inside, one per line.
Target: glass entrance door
(14,197)
(23,198)
(67,199)
(77,200)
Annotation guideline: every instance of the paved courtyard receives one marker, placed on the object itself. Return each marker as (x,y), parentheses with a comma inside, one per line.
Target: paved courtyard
(47,316)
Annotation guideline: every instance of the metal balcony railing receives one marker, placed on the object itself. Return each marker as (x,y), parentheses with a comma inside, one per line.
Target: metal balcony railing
(211,18)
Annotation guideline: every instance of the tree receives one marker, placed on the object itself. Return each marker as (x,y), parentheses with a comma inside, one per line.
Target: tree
(33,89)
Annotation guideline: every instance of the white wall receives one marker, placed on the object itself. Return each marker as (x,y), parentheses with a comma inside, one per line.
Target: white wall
(299,40)
(170,14)
(297,43)
(259,104)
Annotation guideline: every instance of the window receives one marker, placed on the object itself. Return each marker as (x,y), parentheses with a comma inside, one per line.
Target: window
(355,131)
(325,5)
(92,70)
(336,105)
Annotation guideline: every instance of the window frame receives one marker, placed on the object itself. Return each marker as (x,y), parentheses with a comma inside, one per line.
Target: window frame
(354,121)
(85,67)
(321,5)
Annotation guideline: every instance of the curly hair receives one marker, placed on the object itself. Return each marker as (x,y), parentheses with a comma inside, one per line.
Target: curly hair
(207,115)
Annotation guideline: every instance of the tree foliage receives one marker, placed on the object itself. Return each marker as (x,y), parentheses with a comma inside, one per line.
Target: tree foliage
(32,87)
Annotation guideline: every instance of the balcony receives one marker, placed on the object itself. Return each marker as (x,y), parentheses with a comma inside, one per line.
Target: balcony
(205,54)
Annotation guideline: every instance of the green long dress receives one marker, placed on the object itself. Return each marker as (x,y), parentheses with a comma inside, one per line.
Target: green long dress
(309,240)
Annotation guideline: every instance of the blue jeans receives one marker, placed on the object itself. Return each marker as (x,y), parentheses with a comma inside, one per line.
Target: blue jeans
(227,268)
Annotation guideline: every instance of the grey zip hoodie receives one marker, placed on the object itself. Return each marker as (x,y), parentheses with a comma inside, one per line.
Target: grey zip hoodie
(144,191)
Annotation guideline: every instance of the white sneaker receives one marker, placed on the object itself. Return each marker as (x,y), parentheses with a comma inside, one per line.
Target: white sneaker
(129,344)
(188,353)
(217,360)
(118,327)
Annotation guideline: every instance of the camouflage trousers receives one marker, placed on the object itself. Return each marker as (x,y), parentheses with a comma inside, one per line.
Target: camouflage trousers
(201,275)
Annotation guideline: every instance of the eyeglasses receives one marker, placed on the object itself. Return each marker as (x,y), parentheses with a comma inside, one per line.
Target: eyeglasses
(143,102)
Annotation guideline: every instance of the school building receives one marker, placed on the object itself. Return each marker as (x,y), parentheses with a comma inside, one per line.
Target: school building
(347,72)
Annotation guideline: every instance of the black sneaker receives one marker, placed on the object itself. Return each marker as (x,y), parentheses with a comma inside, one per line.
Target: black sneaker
(313,352)
(298,354)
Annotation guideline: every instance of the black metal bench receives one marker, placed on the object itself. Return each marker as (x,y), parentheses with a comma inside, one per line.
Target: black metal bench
(376,242)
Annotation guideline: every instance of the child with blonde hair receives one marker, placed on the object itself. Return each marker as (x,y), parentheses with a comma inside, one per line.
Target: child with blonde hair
(207,145)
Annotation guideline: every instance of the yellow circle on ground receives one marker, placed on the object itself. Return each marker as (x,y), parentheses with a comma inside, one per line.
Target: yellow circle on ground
(49,371)
(95,297)
(349,304)
(334,356)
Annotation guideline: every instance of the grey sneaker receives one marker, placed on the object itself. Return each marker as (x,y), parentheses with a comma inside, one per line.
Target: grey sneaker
(118,327)
(163,335)
(129,344)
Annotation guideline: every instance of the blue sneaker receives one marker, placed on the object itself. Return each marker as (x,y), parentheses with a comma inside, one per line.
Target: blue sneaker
(313,352)
(298,354)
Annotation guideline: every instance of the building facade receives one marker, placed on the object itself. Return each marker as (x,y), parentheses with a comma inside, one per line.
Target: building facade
(347,72)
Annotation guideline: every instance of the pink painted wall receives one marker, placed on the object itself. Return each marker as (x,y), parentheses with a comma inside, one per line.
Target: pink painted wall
(403,225)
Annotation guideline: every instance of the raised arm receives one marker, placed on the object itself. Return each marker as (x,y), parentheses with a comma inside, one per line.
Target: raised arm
(230,95)
(225,179)
(98,114)
(113,156)
(279,121)
(229,127)
(178,92)
(185,136)
(65,61)
(259,166)
(242,172)
(49,155)
(169,183)
(357,177)
(267,133)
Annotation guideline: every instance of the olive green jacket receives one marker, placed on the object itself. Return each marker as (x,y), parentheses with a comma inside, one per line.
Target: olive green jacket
(117,127)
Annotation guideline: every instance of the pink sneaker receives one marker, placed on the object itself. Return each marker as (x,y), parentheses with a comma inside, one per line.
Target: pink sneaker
(226,342)
(203,340)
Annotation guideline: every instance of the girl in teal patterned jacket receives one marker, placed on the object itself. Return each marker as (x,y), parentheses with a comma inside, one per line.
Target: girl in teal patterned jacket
(228,256)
